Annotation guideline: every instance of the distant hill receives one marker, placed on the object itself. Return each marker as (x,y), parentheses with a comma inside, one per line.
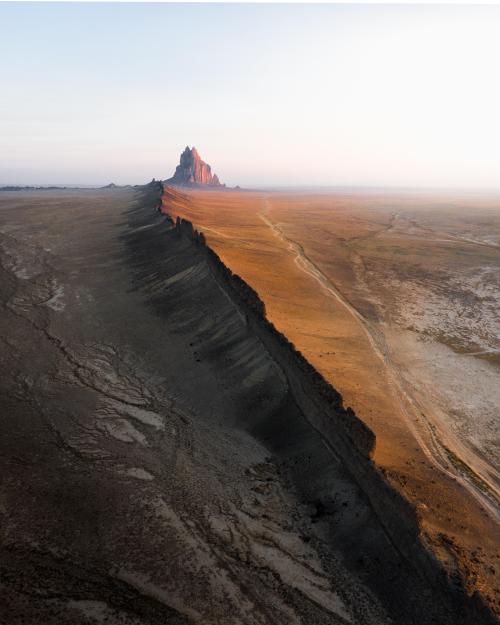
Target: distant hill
(28,188)
(192,171)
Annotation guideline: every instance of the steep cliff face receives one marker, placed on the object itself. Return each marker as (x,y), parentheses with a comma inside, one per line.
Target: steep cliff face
(192,171)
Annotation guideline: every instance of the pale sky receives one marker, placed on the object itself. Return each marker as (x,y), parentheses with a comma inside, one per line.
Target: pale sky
(269,94)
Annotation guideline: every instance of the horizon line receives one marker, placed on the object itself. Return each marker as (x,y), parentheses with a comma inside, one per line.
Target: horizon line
(268,186)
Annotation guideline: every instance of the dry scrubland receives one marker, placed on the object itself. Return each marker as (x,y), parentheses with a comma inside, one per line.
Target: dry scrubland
(394,298)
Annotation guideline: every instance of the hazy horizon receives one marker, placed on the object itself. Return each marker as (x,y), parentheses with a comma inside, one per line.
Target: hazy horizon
(283,188)
(394,96)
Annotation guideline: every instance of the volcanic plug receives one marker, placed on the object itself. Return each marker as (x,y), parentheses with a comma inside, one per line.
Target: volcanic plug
(192,171)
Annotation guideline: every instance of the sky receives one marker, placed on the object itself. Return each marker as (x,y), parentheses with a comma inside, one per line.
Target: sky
(394,95)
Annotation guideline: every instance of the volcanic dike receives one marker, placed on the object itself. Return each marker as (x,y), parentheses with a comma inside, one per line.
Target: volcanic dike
(168,456)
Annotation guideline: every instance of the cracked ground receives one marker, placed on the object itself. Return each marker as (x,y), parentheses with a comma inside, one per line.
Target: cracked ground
(130,492)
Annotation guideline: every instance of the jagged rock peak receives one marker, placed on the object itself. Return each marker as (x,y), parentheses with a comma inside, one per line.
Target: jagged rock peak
(193,172)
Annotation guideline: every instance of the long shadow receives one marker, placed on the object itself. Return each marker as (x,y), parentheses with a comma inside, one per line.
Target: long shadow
(323,451)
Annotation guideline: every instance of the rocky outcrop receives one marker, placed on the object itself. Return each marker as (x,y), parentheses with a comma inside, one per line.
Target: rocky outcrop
(401,567)
(359,434)
(192,171)
(167,457)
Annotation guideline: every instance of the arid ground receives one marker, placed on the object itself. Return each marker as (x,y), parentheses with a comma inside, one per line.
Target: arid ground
(168,457)
(395,299)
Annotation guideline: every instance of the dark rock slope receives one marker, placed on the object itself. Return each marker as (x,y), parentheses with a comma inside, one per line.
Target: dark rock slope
(166,455)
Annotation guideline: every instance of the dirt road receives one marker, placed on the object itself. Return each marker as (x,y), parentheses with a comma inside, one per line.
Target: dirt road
(421,425)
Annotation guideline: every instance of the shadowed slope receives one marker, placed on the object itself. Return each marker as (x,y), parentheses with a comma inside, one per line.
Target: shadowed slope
(296,251)
(391,556)
(133,490)
(167,456)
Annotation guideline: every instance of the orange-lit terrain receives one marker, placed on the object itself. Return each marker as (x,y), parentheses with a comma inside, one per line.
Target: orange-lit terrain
(394,299)
(261,388)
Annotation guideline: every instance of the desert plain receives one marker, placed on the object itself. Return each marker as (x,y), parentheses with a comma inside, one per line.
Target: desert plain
(394,297)
(168,457)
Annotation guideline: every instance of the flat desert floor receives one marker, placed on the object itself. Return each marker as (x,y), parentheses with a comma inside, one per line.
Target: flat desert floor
(394,298)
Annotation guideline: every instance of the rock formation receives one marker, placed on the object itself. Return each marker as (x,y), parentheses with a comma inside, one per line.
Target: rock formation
(193,172)
(167,456)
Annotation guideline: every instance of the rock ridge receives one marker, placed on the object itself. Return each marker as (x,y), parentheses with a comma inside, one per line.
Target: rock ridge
(348,437)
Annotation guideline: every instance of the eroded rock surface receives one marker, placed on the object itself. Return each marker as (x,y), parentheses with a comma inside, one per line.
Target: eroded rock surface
(166,457)
(193,172)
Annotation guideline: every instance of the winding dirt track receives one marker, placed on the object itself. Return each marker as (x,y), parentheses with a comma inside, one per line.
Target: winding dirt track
(415,418)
